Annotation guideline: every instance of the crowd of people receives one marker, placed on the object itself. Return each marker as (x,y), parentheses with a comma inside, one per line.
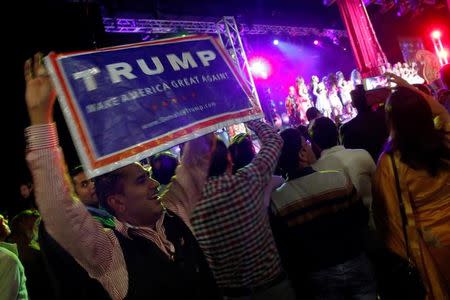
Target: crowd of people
(301,218)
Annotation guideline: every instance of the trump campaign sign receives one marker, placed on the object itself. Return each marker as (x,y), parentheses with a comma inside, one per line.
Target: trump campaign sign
(125,103)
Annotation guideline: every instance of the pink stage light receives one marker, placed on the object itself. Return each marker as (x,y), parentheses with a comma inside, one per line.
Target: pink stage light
(316,42)
(443,53)
(436,34)
(260,67)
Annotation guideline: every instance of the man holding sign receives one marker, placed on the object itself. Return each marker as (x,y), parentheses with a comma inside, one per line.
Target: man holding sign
(118,112)
(152,252)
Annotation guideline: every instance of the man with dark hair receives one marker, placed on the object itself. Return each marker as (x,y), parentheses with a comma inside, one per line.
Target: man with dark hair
(24,233)
(84,187)
(220,159)
(26,189)
(368,129)
(318,220)
(163,166)
(151,252)
(312,113)
(68,278)
(324,133)
(231,223)
(356,163)
(85,190)
(24,230)
(242,151)
(26,199)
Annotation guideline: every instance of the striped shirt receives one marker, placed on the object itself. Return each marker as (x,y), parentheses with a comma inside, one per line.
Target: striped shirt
(318,221)
(231,222)
(312,196)
(67,220)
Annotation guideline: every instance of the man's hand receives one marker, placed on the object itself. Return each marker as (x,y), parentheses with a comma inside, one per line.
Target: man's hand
(39,93)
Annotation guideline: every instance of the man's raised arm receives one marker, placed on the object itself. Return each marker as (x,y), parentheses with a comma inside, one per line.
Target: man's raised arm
(65,217)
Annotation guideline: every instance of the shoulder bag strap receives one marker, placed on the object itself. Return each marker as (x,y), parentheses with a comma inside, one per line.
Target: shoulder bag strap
(401,206)
(410,230)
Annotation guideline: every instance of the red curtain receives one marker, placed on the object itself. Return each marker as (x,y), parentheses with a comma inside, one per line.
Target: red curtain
(368,53)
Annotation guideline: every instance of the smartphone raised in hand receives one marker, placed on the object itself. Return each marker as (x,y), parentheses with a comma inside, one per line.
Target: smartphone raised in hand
(377,82)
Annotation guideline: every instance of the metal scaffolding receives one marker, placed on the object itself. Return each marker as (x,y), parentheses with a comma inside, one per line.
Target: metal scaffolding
(129,25)
(123,25)
(229,35)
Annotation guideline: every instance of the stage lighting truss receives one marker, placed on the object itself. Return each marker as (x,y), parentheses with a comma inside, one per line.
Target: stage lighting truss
(124,25)
(229,34)
(441,52)
(129,25)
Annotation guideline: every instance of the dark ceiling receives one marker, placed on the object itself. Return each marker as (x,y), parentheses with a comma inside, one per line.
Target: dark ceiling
(299,12)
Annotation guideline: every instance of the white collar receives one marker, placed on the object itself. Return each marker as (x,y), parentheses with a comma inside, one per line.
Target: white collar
(331,150)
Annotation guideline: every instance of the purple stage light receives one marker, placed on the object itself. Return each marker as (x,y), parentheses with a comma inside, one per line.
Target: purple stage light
(260,67)
(276,42)
(316,42)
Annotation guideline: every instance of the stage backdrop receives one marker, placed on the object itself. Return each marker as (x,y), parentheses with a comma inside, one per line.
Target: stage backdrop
(125,103)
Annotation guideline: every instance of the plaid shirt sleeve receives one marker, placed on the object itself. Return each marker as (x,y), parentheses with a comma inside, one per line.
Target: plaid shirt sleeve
(230,223)
(66,219)
(263,165)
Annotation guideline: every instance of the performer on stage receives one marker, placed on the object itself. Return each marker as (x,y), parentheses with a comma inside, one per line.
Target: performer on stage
(302,90)
(345,88)
(293,107)
(322,103)
(313,88)
(335,101)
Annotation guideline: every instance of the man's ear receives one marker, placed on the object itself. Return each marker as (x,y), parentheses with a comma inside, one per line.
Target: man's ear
(117,203)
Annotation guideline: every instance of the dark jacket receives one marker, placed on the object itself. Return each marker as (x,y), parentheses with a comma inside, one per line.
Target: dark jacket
(152,274)
(68,279)
(318,221)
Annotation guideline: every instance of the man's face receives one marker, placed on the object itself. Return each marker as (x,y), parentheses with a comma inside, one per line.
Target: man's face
(85,189)
(25,191)
(4,228)
(140,196)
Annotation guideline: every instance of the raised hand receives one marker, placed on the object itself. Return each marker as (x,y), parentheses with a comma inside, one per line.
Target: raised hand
(392,78)
(39,93)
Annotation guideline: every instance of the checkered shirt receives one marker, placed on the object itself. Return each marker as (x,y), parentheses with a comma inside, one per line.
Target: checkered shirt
(231,223)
